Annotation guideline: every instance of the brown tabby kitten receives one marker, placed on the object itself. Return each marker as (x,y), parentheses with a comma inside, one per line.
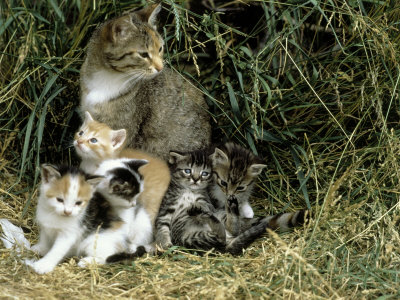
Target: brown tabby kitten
(235,170)
(95,142)
(125,85)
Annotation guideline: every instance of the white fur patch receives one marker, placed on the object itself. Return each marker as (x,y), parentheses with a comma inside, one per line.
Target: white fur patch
(103,86)
(246,211)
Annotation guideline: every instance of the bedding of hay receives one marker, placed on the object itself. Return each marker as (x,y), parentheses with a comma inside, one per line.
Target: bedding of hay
(311,86)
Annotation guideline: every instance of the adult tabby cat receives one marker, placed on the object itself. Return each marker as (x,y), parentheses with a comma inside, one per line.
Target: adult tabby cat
(235,170)
(188,218)
(72,219)
(124,84)
(96,142)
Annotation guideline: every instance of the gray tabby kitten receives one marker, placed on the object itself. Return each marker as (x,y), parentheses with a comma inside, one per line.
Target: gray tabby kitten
(124,84)
(235,170)
(188,218)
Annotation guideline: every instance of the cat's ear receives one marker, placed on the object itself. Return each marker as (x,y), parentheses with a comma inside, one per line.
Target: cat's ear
(88,117)
(219,157)
(117,29)
(49,173)
(174,157)
(149,14)
(94,180)
(135,164)
(118,138)
(256,169)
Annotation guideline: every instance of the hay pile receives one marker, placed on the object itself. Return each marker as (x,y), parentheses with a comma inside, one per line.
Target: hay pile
(312,87)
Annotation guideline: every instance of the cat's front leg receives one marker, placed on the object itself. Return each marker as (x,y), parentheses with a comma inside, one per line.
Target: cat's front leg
(232,223)
(42,246)
(58,251)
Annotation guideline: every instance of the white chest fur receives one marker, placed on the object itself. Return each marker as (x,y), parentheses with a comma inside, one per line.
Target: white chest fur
(103,86)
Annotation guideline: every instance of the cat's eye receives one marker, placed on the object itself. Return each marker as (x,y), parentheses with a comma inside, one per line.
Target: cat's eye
(205,174)
(240,188)
(78,203)
(187,171)
(60,200)
(80,133)
(144,55)
(224,183)
(161,49)
(93,140)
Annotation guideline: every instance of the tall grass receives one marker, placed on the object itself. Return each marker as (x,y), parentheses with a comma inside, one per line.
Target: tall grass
(310,86)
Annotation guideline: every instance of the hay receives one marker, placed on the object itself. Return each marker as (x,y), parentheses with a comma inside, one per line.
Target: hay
(312,87)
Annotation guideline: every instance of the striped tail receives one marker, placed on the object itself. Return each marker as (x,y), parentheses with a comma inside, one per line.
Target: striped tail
(280,222)
(285,221)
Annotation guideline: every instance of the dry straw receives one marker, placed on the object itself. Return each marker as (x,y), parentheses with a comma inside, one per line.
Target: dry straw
(311,86)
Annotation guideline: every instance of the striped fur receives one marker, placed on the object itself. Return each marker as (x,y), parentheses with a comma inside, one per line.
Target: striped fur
(188,218)
(186,213)
(235,171)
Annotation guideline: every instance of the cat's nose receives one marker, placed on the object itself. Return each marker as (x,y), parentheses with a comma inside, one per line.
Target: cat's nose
(67,212)
(159,67)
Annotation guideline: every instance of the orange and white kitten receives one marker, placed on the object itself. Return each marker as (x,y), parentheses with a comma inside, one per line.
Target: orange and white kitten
(96,142)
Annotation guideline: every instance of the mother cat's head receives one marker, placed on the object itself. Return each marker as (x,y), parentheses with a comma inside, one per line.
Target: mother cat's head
(130,44)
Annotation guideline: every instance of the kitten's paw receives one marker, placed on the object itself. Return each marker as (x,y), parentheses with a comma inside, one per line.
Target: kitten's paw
(233,206)
(39,249)
(89,260)
(40,267)
(194,210)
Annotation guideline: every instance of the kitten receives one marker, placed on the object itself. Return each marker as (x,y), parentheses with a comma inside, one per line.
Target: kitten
(95,142)
(235,170)
(188,218)
(68,211)
(122,186)
(186,213)
(124,84)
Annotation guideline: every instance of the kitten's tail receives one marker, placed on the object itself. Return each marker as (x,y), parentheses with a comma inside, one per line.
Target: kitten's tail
(140,251)
(281,222)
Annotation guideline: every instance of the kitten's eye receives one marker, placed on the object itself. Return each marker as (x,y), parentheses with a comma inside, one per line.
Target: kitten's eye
(205,174)
(78,203)
(240,188)
(60,200)
(187,171)
(93,140)
(161,49)
(80,133)
(224,183)
(144,54)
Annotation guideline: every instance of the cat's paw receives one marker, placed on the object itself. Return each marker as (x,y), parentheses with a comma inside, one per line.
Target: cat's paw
(233,206)
(39,249)
(90,260)
(39,266)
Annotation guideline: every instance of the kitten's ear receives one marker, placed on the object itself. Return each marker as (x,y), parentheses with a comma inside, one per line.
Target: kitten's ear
(118,138)
(149,14)
(135,164)
(174,157)
(88,117)
(94,180)
(117,29)
(219,157)
(49,173)
(256,169)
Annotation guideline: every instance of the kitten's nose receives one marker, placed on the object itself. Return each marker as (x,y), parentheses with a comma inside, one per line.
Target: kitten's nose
(159,67)
(67,212)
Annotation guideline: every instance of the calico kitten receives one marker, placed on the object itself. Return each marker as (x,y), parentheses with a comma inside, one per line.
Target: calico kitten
(235,170)
(125,84)
(68,212)
(95,142)
(122,187)
(186,213)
